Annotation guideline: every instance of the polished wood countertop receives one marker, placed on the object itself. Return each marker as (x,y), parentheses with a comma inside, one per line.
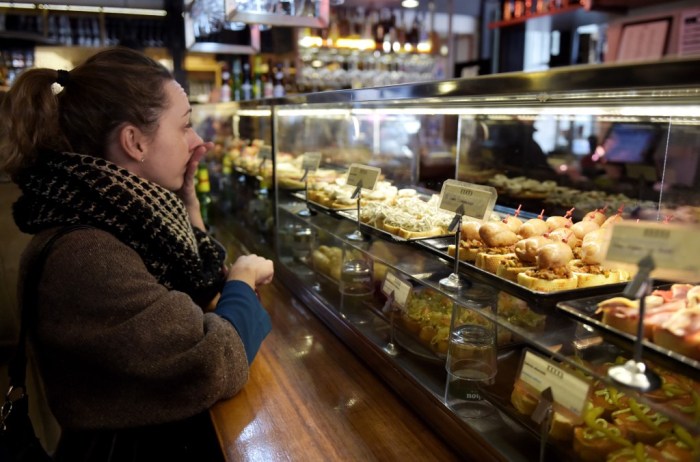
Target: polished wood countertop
(310,398)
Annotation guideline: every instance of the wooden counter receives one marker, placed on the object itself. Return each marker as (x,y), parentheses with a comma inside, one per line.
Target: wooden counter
(310,398)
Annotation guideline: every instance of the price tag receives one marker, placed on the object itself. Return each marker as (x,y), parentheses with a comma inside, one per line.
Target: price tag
(265,152)
(673,248)
(641,172)
(363,175)
(311,161)
(477,201)
(400,288)
(568,390)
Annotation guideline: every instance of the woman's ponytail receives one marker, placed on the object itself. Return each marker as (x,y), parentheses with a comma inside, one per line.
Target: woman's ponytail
(30,119)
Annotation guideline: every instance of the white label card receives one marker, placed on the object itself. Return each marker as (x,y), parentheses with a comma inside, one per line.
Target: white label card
(265,152)
(568,390)
(311,161)
(477,200)
(401,289)
(368,176)
(673,248)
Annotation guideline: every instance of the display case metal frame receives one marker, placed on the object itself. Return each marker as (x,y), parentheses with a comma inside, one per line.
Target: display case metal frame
(673,81)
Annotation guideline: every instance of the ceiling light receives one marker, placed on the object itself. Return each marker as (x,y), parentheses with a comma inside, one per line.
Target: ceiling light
(410,3)
(86,9)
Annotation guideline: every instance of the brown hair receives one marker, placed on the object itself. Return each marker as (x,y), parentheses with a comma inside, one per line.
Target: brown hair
(111,88)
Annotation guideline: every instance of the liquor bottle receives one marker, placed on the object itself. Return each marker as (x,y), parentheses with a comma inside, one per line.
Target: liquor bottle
(268,87)
(257,78)
(288,81)
(236,90)
(203,190)
(278,90)
(400,29)
(433,36)
(414,35)
(225,96)
(246,87)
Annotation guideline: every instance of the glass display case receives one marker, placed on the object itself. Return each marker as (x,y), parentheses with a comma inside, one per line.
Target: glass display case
(566,154)
(240,169)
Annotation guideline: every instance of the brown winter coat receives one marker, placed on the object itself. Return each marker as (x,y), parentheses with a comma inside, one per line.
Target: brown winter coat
(116,348)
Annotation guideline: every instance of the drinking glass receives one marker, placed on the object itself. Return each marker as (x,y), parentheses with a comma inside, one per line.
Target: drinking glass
(471,354)
(356,285)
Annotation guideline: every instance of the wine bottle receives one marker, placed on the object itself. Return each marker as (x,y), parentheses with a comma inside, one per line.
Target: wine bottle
(278,90)
(269,77)
(203,190)
(246,87)
(225,96)
(237,81)
(257,78)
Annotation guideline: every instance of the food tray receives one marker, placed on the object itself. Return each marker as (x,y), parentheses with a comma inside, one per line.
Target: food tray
(583,310)
(352,216)
(301,195)
(438,246)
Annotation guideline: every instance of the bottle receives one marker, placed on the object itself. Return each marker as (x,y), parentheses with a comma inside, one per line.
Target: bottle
(257,78)
(246,87)
(236,91)
(269,86)
(203,190)
(414,34)
(400,30)
(225,96)
(288,81)
(278,90)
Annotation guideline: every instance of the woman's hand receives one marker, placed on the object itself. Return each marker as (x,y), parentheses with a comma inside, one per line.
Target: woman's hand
(252,269)
(187,193)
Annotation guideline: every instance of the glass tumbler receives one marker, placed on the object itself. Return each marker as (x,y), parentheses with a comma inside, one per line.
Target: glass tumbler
(356,285)
(471,354)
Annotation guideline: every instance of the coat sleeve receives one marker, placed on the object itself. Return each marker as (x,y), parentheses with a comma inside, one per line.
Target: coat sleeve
(118,349)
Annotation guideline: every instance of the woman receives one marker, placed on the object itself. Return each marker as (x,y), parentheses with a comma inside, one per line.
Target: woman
(129,358)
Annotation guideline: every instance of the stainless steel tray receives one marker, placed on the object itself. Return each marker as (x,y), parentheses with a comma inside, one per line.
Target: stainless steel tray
(533,297)
(584,309)
(352,216)
(301,195)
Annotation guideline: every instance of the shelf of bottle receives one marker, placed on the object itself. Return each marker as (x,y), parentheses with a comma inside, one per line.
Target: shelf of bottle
(359,44)
(527,17)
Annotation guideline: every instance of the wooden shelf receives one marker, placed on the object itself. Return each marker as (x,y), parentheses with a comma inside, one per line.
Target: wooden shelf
(522,19)
(611,6)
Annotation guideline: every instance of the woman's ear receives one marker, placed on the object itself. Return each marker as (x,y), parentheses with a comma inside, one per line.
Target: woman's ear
(132,141)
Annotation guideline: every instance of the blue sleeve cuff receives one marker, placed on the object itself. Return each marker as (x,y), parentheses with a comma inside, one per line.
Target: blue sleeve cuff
(240,306)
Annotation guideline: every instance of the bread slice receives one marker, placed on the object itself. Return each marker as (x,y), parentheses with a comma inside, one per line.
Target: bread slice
(406,234)
(509,268)
(490,262)
(529,280)
(592,275)
(465,253)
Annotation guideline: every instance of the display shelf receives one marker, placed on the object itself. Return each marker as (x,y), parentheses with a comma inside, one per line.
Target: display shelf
(526,17)
(483,120)
(584,310)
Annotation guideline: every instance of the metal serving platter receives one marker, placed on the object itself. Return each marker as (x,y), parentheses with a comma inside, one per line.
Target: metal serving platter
(301,195)
(352,216)
(584,309)
(535,299)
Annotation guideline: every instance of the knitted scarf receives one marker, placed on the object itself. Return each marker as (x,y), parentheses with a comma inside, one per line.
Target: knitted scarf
(66,188)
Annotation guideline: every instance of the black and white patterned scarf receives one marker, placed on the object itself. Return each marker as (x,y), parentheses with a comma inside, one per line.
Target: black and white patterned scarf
(67,188)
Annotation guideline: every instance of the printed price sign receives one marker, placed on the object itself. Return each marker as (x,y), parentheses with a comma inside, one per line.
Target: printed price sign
(265,152)
(311,161)
(673,248)
(641,172)
(477,201)
(568,390)
(363,176)
(400,288)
